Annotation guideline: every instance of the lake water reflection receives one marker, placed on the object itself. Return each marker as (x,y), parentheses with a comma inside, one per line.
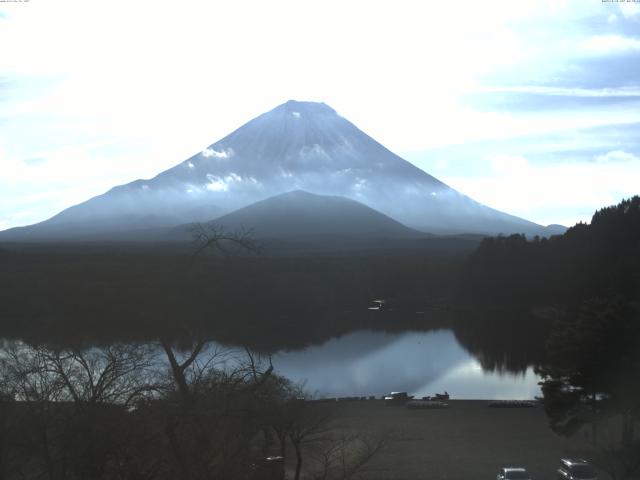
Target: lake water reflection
(422,363)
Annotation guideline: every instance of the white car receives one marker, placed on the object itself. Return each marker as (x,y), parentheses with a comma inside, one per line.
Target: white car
(513,473)
(576,470)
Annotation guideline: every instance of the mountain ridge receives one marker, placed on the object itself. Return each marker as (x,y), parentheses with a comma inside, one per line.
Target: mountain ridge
(305,215)
(295,146)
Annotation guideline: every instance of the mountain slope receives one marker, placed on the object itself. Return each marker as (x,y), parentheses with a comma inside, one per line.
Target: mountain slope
(302,215)
(296,146)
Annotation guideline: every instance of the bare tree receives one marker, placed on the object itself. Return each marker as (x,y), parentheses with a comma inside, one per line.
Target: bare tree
(305,427)
(117,374)
(73,405)
(211,237)
(344,456)
(221,392)
(179,369)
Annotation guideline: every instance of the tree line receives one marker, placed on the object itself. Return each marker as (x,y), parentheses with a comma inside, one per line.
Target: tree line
(88,295)
(581,292)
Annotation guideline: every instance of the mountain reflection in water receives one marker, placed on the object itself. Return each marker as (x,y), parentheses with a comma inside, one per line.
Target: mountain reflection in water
(422,363)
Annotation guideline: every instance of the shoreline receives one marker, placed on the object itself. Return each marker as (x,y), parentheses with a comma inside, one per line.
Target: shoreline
(466,440)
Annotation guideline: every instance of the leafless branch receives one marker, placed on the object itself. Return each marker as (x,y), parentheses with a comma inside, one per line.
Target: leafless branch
(213,238)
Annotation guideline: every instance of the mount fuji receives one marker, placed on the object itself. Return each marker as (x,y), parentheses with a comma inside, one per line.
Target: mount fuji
(297,146)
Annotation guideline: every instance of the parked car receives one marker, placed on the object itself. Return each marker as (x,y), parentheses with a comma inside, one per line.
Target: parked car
(576,470)
(397,398)
(513,473)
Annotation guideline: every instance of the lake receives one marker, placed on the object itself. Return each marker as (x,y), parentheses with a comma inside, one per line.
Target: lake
(365,363)
(421,363)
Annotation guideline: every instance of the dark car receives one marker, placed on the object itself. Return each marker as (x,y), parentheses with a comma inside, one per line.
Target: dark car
(513,473)
(576,470)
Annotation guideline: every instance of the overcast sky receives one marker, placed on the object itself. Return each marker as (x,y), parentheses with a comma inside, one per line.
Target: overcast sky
(531,107)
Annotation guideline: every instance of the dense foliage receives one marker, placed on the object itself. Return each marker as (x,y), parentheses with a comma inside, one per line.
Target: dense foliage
(82,294)
(599,259)
(585,285)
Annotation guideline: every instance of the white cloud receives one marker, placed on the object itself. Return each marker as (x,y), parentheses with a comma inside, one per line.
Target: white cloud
(617,156)
(629,9)
(224,154)
(216,184)
(601,44)
(33,191)
(78,99)
(552,193)
(314,150)
(222,184)
(628,91)
(509,165)
(441,164)
(360,184)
